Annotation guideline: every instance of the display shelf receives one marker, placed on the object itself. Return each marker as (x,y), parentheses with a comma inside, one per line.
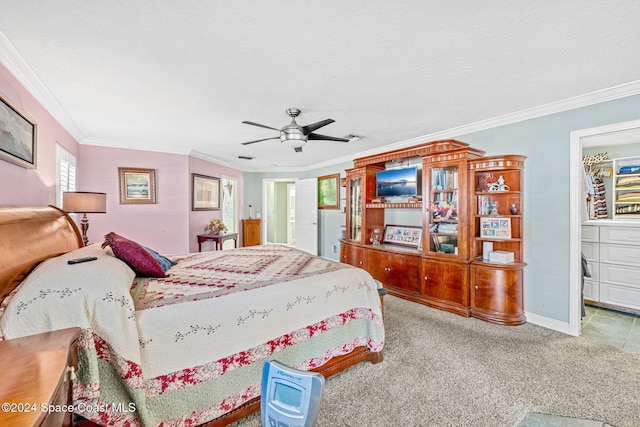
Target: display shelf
(497,288)
(626,181)
(393,205)
(446,270)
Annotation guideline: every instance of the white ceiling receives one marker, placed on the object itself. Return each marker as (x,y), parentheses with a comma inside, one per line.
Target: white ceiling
(181,76)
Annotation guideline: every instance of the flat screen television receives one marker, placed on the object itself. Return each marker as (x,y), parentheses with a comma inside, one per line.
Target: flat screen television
(397,182)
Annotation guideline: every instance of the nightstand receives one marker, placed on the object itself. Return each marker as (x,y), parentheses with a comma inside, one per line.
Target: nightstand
(36,373)
(250,232)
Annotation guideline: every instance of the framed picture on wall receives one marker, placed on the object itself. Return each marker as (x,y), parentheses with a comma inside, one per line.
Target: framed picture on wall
(205,193)
(17,135)
(329,191)
(137,186)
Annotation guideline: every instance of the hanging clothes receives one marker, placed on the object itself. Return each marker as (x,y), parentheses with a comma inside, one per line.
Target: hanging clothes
(599,200)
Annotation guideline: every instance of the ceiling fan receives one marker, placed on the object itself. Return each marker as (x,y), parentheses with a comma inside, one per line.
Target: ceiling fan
(295,133)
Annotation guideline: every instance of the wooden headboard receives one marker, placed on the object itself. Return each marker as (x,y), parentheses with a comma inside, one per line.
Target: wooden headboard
(28,236)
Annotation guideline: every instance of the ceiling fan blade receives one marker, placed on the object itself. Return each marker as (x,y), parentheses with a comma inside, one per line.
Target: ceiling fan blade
(259,125)
(259,140)
(317,125)
(317,136)
(298,149)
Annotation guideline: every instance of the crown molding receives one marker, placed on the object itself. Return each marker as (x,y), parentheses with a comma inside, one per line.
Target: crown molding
(15,63)
(596,97)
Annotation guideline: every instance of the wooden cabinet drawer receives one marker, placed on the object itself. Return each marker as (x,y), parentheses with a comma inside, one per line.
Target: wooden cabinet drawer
(624,235)
(393,269)
(497,294)
(625,296)
(591,251)
(620,254)
(356,256)
(620,274)
(446,282)
(590,233)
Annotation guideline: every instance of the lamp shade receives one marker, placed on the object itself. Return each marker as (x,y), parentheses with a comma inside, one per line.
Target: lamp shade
(84,202)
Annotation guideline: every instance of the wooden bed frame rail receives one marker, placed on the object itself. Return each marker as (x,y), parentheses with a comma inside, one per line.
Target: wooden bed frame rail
(334,366)
(30,235)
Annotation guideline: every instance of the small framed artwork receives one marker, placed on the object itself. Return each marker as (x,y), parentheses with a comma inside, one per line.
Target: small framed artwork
(407,235)
(17,135)
(329,191)
(205,193)
(137,186)
(495,228)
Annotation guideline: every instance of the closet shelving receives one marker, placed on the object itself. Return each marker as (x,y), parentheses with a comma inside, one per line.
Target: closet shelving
(626,178)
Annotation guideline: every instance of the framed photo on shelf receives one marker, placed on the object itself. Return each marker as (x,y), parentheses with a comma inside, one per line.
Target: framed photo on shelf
(407,235)
(495,228)
(137,186)
(18,135)
(206,193)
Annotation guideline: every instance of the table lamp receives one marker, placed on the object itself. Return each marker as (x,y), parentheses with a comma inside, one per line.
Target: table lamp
(84,202)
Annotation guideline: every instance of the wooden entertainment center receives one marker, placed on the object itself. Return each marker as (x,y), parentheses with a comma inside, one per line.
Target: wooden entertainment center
(468,203)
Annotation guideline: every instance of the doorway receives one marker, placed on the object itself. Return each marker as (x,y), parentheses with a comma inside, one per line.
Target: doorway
(278,198)
(290,208)
(615,134)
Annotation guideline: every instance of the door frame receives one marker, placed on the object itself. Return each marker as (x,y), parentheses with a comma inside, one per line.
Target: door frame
(575,204)
(265,216)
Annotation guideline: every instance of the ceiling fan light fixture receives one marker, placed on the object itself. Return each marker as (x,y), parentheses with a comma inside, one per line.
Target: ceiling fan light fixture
(294,134)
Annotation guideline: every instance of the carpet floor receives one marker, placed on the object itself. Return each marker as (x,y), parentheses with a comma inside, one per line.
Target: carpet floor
(446,370)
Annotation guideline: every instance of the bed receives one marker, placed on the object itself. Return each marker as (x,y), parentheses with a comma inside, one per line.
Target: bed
(186,349)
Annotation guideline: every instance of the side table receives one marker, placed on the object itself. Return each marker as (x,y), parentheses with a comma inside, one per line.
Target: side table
(218,239)
(38,371)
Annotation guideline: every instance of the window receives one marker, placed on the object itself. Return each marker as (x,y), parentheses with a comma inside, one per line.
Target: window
(65,173)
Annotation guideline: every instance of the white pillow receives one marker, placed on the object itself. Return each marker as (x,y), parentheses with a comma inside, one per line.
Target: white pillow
(57,295)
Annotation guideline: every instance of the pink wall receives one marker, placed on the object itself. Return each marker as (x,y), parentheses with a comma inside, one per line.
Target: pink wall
(30,187)
(199,219)
(162,226)
(169,225)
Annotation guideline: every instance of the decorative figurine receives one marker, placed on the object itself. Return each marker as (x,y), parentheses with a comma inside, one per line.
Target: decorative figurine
(513,209)
(499,185)
(483,181)
(494,209)
(375,237)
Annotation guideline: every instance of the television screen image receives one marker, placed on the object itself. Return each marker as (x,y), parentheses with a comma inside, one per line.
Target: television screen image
(397,182)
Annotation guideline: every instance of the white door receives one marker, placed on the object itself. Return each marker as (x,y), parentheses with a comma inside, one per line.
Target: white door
(307,215)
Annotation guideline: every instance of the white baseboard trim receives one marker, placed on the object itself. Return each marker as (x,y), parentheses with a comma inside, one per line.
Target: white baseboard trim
(549,323)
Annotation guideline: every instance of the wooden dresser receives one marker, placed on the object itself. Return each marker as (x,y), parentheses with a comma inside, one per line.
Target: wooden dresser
(250,232)
(35,381)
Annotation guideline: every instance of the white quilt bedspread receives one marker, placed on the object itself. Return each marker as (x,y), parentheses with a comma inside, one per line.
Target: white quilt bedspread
(188,348)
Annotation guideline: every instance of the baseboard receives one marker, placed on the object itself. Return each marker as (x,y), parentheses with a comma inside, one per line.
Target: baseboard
(549,323)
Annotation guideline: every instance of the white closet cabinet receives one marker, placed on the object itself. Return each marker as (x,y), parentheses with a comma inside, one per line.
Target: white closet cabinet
(613,250)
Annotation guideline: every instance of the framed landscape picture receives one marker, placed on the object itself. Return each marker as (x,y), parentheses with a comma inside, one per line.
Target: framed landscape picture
(137,186)
(206,193)
(17,135)
(329,191)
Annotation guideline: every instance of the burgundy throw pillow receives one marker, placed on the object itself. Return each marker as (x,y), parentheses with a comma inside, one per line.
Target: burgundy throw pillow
(134,255)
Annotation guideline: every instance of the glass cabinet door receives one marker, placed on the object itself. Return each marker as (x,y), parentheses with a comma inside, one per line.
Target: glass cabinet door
(355,209)
(443,210)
